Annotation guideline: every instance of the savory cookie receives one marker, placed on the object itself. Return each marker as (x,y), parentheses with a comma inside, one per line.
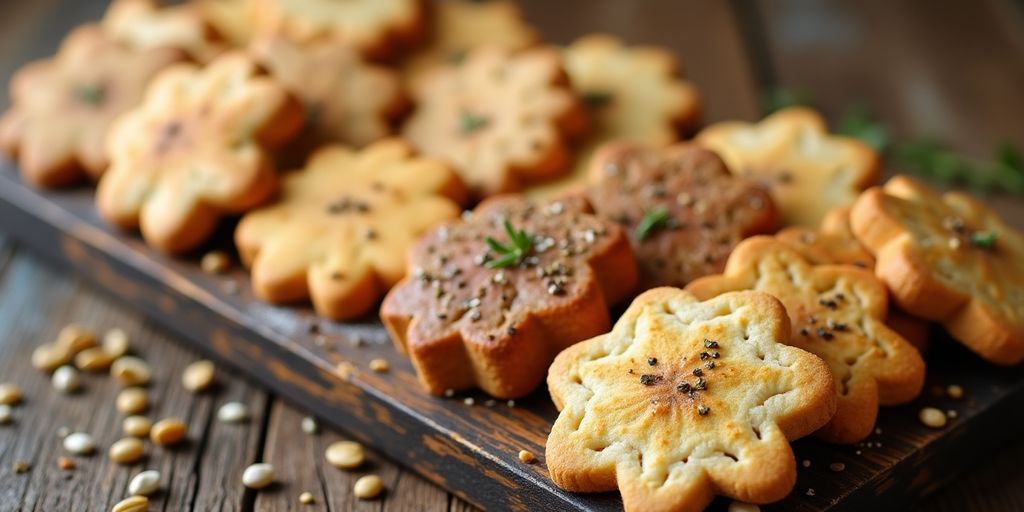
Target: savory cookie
(489,301)
(684,209)
(950,259)
(834,243)
(808,170)
(836,312)
(145,24)
(197,148)
(62,107)
(376,28)
(232,19)
(684,400)
(340,231)
(458,26)
(347,100)
(501,118)
(633,93)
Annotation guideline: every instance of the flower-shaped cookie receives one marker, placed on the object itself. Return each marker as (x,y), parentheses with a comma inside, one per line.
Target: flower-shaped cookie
(501,118)
(633,93)
(684,400)
(458,26)
(342,227)
(196,149)
(144,24)
(684,209)
(62,107)
(490,300)
(951,259)
(838,313)
(808,170)
(375,28)
(347,100)
(231,19)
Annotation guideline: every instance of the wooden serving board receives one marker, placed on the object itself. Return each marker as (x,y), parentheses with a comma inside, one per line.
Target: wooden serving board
(472,450)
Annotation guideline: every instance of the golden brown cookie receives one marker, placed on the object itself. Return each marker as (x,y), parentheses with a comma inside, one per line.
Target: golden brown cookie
(342,226)
(376,28)
(633,93)
(458,26)
(62,107)
(837,312)
(196,149)
(232,19)
(683,208)
(807,170)
(347,100)
(145,24)
(684,400)
(950,259)
(500,118)
(490,300)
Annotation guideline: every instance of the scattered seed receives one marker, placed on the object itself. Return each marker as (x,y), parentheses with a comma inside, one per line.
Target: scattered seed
(131,371)
(932,417)
(21,466)
(65,463)
(6,414)
(168,431)
(526,456)
(448,393)
(75,338)
(136,426)
(380,365)
(306,498)
(511,403)
(198,376)
(145,483)
(115,342)
(49,357)
(66,379)
(955,392)
(132,504)
(215,262)
(10,394)
(469,400)
(132,401)
(345,454)
(79,443)
(127,450)
(93,359)
(368,487)
(806,463)
(309,425)
(810,492)
(258,476)
(233,412)
(837,466)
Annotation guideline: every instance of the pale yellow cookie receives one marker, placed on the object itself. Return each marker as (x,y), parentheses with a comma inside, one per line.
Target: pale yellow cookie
(950,259)
(807,170)
(684,400)
(196,149)
(144,24)
(501,118)
(838,313)
(634,94)
(341,229)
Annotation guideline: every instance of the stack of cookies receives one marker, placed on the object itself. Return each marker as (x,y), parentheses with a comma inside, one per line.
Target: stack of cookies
(777,289)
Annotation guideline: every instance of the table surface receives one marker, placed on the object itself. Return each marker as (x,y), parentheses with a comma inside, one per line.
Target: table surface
(942,67)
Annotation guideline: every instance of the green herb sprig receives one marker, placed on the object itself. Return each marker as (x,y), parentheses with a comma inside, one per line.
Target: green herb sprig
(519,245)
(983,239)
(653,220)
(470,123)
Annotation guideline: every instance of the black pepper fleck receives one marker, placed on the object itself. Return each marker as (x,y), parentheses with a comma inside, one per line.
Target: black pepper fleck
(652,361)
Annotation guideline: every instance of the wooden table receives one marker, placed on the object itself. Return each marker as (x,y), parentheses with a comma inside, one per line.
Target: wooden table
(953,69)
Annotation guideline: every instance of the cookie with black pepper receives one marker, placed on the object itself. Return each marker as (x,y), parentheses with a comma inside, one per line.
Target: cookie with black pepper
(684,400)
(684,209)
(837,312)
(490,300)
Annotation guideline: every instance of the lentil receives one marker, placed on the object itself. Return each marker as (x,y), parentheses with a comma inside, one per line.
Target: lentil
(115,342)
(932,417)
(136,426)
(10,394)
(132,401)
(198,376)
(132,504)
(368,487)
(93,359)
(345,454)
(168,431)
(145,483)
(131,371)
(79,443)
(127,450)
(258,476)
(66,379)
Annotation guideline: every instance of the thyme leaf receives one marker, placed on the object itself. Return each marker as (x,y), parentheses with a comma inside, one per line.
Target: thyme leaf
(653,220)
(513,253)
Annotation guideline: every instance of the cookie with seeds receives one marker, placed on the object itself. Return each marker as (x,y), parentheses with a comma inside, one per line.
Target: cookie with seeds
(196,149)
(950,259)
(144,24)
(378,29)
(490,300)
(683,208)
(837,312)
(347,100)
(501,118)
(808,170)
(633,94)
(458,26)
(684,400)
(63,106)
(341,227)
